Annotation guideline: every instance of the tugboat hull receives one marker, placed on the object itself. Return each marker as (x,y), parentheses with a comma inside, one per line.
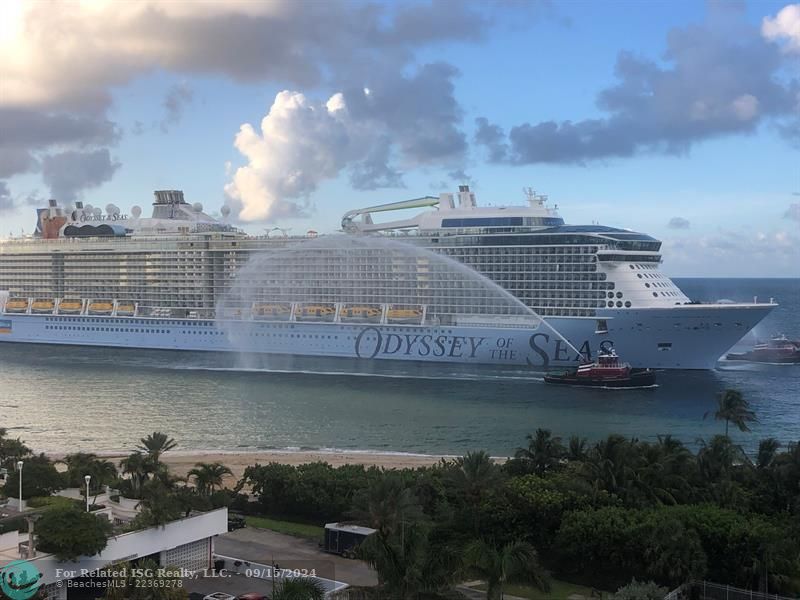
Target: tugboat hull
(638,378)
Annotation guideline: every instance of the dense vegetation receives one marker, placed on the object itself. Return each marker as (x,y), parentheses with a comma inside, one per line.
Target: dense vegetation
(604,513)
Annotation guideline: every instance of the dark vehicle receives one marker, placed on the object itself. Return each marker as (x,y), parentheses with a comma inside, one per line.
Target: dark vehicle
(341,538)
(236,522)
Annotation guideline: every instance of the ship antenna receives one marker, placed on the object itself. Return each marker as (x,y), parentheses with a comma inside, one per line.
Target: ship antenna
(530,194)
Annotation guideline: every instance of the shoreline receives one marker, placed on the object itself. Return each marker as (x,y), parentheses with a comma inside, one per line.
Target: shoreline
(181,461)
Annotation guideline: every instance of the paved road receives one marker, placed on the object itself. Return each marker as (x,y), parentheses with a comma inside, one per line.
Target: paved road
(288,552)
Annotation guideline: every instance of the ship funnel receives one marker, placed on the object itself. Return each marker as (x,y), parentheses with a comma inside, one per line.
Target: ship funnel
(466,199)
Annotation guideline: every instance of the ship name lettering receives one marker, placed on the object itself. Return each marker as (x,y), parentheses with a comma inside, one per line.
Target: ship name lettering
(457,346)
(539,343)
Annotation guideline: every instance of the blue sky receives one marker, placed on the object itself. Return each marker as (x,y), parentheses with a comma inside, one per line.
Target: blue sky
(729,181)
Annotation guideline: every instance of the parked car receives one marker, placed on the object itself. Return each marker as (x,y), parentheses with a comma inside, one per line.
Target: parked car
(236,522)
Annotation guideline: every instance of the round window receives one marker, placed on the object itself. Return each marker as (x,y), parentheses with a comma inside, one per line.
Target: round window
(627,304)
(619,294)
(619,304)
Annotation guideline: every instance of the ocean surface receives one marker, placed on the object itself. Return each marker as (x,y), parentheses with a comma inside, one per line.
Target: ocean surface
(69,399)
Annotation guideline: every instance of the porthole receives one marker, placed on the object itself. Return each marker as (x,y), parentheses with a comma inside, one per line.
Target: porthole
(610,304)
(610,294)
(619,294)
(631,266)
(639,275)
(619,304)
(627,304)
(647,285)
(655,294)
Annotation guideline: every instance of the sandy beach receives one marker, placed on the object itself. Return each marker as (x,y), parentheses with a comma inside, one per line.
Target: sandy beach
(181,462)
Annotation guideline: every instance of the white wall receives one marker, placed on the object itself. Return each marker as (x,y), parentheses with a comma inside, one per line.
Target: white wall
(137,544)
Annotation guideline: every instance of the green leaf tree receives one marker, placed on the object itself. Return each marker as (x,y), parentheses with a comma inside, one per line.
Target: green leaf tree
(11,450)
(69,532)
(39,478)
(638,590)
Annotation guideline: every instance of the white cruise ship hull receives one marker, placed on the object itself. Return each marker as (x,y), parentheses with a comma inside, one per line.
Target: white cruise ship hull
(686,337)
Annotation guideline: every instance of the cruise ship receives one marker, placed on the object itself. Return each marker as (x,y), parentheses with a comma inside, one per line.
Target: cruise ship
(508,286)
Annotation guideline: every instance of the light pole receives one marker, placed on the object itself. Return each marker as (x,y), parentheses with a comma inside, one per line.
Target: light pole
(87,479)
(19,468)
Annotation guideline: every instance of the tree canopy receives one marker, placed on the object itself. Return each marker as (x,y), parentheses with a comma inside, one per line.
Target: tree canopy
(69,532)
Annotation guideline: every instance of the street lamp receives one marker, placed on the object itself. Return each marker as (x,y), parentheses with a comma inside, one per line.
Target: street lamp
(19,468)
(87,479)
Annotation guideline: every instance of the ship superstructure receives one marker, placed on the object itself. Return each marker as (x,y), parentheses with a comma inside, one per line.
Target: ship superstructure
(592,283)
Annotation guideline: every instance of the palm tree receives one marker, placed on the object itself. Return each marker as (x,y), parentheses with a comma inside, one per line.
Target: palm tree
(608,464)
(543,451)
(138,467)
(208,476)
(387,505)
(472,475)
(733,408)
(403,562)
(155,444)
(474,472)
(576,450)
(301,588)
(717,457)
(767,452)
(514,562)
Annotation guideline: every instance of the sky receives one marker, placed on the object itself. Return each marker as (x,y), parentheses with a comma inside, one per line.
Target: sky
(679,119)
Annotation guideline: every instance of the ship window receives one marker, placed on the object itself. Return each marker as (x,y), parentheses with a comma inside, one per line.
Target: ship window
(610,304)
(647,285)
(619,294)
(655,294)
(639,275)
(619,304)
(627,304)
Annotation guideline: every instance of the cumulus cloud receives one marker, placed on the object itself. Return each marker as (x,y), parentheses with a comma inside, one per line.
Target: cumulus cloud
(784,27)
(175,101)
(678,223)
(298,144)
(69,173)
(717,78)
(364,131)
(62,60)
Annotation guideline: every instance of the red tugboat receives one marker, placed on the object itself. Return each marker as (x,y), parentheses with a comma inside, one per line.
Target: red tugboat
(608,371)
(778,351)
